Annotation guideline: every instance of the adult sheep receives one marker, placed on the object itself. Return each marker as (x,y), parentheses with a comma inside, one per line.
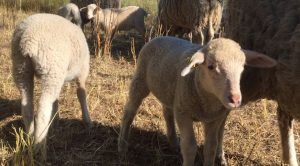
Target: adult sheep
(202,18)
(55,50)
(111,20)
(209,85)
(272,27)
(71,12)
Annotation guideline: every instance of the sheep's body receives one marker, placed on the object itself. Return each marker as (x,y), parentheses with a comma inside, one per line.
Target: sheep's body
(272,27)
(71,12)
(130,17)
(200,96)
(200,17)
(103,3)
(55,50)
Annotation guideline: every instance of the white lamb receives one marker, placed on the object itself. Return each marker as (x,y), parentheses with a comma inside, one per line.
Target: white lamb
(130,17)
(208,87)
(71,12)
(55,50)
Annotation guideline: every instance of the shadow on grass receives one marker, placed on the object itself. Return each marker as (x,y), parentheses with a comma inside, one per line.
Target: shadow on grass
(9,108)
(70,142)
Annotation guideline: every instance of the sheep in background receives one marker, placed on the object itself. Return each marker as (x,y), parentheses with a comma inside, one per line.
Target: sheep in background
(209,85)
(71,12)
(130,17)
(200,18)
(272,27)
(55,50)
(103,3)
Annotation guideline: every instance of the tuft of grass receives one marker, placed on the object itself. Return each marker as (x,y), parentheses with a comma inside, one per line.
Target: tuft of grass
(23,153)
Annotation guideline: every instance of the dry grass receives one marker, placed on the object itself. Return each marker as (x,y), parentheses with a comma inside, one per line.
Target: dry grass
(251,135)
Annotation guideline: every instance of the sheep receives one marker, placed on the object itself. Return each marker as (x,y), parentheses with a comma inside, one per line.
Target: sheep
(54,50)
(103,3)
(71,12)
(207,88)
(271,27)
(201,18)
(130,17)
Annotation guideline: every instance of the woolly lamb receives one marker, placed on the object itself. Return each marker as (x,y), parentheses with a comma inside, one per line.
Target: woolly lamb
(71,12)
(272,27)
(54,50)
(202,18)
(130,17)
(207,88)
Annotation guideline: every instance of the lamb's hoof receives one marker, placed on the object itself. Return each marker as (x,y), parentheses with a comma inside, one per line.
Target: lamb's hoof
(90,125)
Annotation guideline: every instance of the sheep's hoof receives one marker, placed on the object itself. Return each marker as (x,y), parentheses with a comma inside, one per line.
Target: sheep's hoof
(90,124)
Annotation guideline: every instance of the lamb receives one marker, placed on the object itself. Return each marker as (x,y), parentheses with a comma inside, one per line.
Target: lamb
(271,27)
(201,18)
(130,17)
(71,12)
(55,50)
(207,88)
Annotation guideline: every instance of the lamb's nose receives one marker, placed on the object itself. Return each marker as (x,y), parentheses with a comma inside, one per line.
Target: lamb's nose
(235,99)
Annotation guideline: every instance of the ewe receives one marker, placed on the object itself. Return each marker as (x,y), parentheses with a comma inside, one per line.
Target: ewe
(127,18)
(200,18)
(55,50)
(272,27)
(208,87)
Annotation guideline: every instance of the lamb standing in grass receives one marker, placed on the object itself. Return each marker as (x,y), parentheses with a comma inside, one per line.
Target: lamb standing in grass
(55,50)
(71,12)
(130,17)
(209,85)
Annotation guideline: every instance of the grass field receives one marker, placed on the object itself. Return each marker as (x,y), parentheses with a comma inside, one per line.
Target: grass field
(251,133)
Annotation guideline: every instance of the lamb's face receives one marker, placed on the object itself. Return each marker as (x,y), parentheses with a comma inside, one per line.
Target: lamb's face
(221,65)
(220,74)
(91,10)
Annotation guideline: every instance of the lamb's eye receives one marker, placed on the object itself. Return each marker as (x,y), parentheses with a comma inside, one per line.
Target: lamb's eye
(210,67)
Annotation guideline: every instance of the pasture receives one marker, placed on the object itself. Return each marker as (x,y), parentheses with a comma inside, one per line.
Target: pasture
(251,132)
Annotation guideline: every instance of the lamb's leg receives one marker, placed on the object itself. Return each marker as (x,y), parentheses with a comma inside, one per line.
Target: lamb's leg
(221,160)
(81,94)
(287,137)
(24,78)
(171,131)
(50,92)
(211,142)
(138,91)
(188,144)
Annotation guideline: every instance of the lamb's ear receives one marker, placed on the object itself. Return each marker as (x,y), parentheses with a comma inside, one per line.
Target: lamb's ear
(96,10)
(83,9)
(255,59)
(197,58)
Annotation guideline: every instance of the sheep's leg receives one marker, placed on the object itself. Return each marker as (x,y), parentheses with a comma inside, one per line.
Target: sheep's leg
(138,91)
(141,29)
(50,92)
(211,142)
(81,94)
(221,160)
(211,31)
(287,137)
(188,144)
(171,131)
(24,79)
